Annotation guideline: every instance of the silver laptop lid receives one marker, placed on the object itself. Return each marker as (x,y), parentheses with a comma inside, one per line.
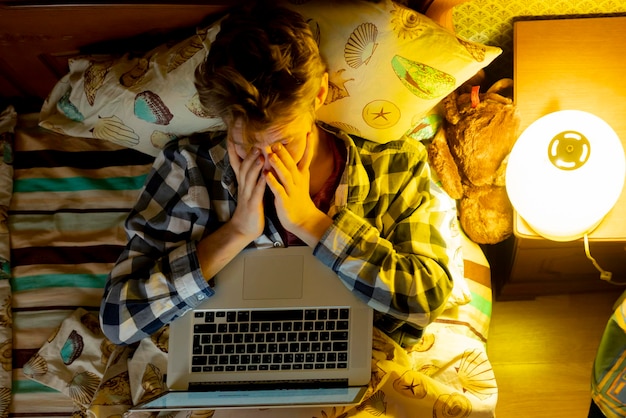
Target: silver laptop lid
(273,286)
(285,399)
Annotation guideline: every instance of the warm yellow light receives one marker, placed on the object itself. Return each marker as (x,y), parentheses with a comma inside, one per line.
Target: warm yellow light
(564,173)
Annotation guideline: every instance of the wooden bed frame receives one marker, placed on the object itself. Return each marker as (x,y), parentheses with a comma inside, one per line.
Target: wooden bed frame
(37,38)
(36,41)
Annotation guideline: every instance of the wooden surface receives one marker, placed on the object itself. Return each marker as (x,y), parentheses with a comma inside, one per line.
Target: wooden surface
(559,65)
(542,267)
(35,41)
(542,352)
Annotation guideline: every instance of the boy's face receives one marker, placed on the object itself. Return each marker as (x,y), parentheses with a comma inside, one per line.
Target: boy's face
(291,135)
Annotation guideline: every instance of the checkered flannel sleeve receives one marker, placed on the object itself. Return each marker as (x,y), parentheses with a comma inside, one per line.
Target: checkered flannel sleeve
(157,278)
(387,242)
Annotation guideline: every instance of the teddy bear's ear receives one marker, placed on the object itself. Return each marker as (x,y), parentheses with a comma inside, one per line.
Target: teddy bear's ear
(503,87)
(442,162)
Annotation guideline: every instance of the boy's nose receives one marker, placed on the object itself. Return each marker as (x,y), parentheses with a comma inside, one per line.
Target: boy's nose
(266,152)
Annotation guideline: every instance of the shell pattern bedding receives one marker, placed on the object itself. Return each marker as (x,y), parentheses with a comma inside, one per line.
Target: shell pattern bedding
(63,232)
(68,185)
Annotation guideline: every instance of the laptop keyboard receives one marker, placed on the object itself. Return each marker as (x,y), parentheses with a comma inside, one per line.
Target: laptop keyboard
(265,340)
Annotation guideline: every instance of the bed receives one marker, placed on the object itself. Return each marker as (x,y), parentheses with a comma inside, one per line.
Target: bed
(69,178)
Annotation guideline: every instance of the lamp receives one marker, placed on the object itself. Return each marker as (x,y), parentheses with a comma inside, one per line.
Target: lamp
(565,173)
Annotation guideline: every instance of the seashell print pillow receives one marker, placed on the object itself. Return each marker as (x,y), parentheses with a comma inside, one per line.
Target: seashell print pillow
(73,359)
(389,66)
(140,102)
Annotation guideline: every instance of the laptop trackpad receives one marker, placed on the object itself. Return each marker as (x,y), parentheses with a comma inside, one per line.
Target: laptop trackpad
(268,277)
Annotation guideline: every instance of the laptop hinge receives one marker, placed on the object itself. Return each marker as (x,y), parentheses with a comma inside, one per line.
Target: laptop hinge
(291,384)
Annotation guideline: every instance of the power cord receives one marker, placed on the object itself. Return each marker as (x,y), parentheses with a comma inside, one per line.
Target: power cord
(604,275)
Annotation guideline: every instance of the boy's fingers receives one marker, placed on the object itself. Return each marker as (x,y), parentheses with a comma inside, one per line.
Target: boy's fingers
(281,169)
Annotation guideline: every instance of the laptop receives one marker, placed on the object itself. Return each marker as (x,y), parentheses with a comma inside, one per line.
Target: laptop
(281,331)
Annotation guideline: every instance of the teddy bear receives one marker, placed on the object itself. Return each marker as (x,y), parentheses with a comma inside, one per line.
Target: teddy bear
(469,153)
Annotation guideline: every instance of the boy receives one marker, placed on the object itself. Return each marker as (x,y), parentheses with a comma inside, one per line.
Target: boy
(277,177)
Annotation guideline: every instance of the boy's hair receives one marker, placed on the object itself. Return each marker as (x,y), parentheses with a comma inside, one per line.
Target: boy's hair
(263,68)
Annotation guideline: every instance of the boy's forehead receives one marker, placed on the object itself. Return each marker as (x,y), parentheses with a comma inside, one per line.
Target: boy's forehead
(274,133)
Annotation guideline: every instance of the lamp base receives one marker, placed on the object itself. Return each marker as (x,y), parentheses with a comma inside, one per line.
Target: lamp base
(523,229)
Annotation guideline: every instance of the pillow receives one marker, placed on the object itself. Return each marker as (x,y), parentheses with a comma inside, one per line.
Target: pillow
(73,359)
(140,102)
(389,66)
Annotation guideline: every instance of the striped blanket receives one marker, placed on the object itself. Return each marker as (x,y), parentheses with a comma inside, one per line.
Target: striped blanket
(65,221)
(70,198)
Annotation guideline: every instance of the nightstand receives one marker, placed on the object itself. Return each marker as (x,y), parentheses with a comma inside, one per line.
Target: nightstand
(568,64)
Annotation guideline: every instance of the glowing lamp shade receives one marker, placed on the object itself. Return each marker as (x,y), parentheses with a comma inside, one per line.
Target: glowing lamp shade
(565,173)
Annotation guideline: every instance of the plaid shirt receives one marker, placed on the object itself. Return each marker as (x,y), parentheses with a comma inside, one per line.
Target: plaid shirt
(387,242)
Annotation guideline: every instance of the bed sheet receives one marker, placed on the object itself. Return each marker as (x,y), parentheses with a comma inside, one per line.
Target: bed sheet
(70,197)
